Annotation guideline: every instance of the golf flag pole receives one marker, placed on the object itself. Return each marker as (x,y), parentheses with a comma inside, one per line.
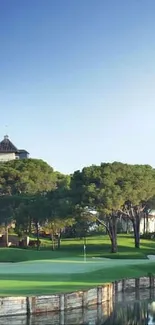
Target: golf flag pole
(84,250)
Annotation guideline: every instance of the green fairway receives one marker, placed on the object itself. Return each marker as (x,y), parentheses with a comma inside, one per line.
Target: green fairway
(64,276)
(97,246)
(47,272)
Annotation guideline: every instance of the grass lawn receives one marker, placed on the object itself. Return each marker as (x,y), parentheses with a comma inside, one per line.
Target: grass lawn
(47,272)
(97,246)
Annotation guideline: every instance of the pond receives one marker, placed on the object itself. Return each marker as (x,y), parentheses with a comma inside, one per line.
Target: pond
(127,309)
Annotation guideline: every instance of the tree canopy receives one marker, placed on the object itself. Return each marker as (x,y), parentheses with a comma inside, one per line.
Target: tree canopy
(115,191)
(26,176)
(108,187)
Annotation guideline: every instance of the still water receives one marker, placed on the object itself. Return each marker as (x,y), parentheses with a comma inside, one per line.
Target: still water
(128,309)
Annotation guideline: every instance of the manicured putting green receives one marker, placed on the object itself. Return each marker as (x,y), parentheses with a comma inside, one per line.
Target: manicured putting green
(65,266)
(46,272)
(57,276)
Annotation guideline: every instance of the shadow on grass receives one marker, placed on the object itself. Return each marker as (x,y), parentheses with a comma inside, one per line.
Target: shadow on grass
(19,255)
(148,245)
(96,247)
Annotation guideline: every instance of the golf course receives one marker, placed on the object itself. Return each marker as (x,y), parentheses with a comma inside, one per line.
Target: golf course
(32,272)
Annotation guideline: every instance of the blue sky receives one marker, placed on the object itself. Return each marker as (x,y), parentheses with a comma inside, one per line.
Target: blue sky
(77,80)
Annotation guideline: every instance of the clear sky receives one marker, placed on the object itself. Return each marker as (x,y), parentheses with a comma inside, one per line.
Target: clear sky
(77,80)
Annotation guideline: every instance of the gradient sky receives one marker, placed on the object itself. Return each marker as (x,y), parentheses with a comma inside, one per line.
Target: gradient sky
(77,80)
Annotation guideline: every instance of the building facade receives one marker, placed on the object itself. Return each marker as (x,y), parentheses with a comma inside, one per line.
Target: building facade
(147,224)
(10,152)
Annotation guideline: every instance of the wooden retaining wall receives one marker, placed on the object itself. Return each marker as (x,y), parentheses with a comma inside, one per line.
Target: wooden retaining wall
(96,314)
(13,306)
(10,306)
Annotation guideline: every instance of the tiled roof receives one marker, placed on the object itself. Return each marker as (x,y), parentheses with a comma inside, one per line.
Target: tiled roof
(7,146)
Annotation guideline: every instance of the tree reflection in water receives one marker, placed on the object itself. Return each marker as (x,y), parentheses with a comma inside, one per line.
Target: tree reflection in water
(133,313)
(151,313)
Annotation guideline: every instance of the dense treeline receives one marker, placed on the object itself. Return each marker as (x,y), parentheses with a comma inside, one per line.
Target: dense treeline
(36,197)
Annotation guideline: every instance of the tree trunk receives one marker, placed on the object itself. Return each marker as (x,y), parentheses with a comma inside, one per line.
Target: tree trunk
(38,241)
(113,233)
(137,240)
(136,228)
(6,236)
(127,226)
(30,226)
(110,225)
(144,229)
(53,242)
(114,247)
(59,239)
(147,224)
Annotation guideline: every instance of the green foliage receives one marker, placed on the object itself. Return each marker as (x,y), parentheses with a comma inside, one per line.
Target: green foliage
(59,210)
(56,201)
(26,176)
(107,188)
(8,204)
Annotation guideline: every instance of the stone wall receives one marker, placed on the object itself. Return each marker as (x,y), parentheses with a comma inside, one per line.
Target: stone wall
(10,306)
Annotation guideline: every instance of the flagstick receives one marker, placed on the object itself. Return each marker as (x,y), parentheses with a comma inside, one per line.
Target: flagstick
(84,250)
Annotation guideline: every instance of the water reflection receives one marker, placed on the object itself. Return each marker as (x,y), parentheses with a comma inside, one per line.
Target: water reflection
(128,309)
(129,314)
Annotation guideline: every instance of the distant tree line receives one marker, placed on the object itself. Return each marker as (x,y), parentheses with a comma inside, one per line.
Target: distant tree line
(36,197)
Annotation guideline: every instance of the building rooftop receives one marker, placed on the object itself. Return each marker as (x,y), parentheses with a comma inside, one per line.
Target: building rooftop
(23,151)
(6,146)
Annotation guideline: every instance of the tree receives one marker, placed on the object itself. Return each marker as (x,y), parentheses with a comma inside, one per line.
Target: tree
(139,187)
(60,210)
(107,189)
(38,210)
(26,176)
(47,211)
(95,187)
(34,210)
(83,221)
(129,313)
(23,221)
(55,228)
(8,205)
